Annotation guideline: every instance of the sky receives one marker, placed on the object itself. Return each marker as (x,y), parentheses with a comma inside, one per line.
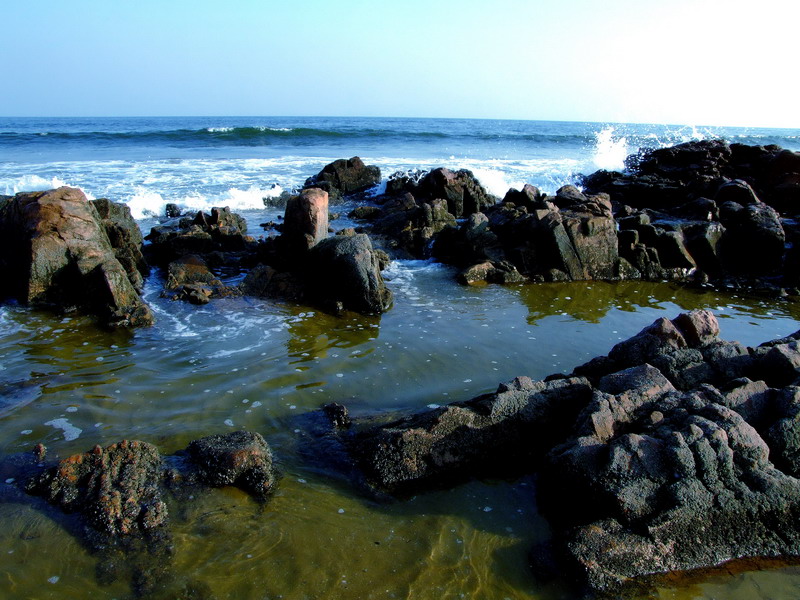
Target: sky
(700,62)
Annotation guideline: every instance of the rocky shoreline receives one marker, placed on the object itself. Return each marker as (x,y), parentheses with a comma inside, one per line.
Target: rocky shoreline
(677,451)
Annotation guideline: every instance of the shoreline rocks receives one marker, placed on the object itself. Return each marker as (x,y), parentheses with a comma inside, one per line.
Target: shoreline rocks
(677,451)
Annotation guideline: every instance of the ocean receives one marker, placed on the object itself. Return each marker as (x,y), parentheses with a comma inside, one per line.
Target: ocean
(260,365)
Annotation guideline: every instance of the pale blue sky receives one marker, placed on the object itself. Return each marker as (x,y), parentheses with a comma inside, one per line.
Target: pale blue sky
(703,62)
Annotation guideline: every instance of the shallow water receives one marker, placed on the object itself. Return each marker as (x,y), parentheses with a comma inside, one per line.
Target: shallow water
(260,365)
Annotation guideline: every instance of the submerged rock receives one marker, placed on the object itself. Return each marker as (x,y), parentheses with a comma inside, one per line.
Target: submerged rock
(57,250)
(119,493)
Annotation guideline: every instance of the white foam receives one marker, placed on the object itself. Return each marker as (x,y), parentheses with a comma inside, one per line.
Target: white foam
(70,431)
(496,181)
(219,129)
(610,150)
(30,183)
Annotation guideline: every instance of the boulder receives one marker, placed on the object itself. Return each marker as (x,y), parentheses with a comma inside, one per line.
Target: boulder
(55,251)
(221,233)
(306,220)
(344,273)
(460,189)
(240,458)
(125,237)
(343,177)
(190,279)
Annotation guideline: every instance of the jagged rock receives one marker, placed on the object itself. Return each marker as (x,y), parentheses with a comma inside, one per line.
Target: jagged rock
(115,488)
(221,234)
(190,279)
(462,192)
(240,458)
(126,239)
(343,177)
(55,251)
(499,432)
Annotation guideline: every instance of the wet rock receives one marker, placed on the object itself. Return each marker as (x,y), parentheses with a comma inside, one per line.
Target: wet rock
(345,271)
(337,414)
(190,279)
(501,432)
(264,281)
(55,251)
(116,489)
(125,237)
(220,235)
(633,504)
(240,458)
(344,177)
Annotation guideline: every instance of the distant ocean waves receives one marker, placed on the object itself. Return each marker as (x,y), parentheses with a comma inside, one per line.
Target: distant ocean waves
(201,162)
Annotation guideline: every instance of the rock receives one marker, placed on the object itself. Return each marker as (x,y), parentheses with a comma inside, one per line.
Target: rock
(126,239)
(266,282)
(306,220)
(750,227)
(529,197)
(343,177)
(494,433)
(633,504)
(190,279)
(345,271)
(116,489)
(220,234)
(172,210)
(462,192)
(62,256)
(240,458)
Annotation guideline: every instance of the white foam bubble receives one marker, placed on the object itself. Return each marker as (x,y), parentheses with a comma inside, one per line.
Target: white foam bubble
(70,431)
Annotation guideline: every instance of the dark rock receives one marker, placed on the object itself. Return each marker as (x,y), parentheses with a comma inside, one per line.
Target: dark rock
(55,251)
(126,239)
(529,197)
(172,211)
(337,414)
(345,271)
(463,193)
(220,234)
(266,282)
(747,228)
(502,431)
(190,279)
(343,177)
(240,458)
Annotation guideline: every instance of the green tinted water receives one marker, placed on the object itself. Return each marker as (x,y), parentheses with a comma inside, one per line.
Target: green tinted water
(244,363)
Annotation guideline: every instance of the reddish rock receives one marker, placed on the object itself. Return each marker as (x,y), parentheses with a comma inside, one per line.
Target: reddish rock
(56,252)
(306,219)
(115,488)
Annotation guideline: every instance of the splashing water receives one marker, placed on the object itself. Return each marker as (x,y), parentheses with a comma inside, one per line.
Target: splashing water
(610,152)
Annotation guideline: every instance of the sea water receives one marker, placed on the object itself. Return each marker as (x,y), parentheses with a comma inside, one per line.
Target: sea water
(245,363)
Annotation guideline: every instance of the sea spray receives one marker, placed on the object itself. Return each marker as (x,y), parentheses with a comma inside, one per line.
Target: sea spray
(610,150)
